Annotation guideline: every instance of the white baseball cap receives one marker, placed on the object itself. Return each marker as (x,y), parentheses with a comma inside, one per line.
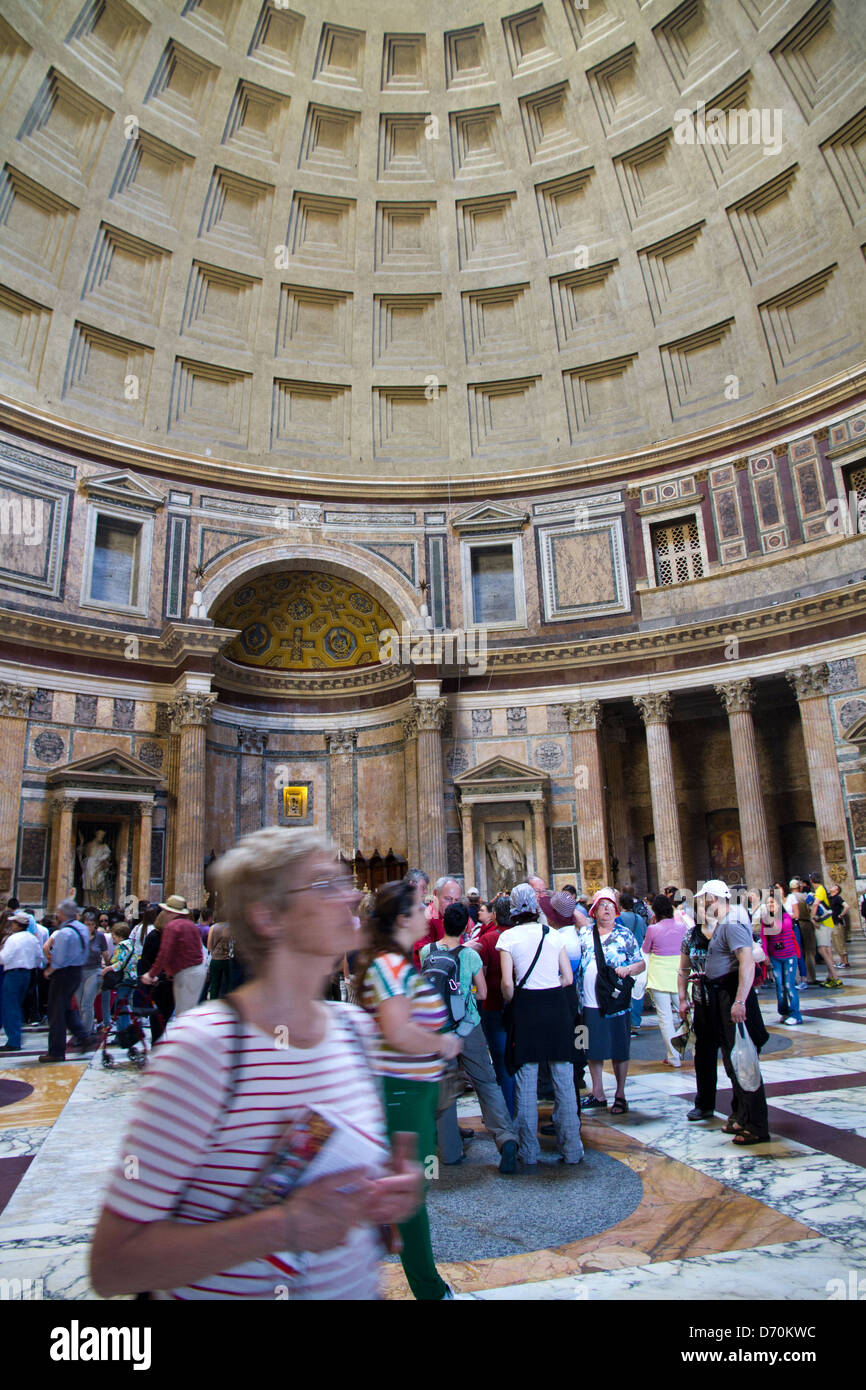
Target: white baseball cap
(714,888)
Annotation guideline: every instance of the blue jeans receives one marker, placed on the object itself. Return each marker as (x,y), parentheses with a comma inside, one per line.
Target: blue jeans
(494,1032)
(15,985)
(801,963)
(787,996)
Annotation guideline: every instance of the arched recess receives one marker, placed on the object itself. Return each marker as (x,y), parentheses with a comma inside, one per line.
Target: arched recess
(343,560)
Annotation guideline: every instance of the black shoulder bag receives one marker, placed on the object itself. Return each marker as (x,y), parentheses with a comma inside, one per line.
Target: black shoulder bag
(612,991)
(508,1011)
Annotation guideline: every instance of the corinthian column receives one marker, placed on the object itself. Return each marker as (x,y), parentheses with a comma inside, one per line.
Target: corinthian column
(430,716)
(738,697)
(191,713)
(656,712)
(252,743)
(539,825)
(15,701)
(341,746)
(810,685)
(62,878)
(584,723)
(468,848)
(616,803)
(141,866)
(410,782)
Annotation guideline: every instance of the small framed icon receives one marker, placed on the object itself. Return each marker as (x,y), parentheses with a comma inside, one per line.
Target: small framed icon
(295,803)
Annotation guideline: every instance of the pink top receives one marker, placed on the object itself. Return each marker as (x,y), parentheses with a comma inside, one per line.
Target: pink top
(778,939)
(664,938)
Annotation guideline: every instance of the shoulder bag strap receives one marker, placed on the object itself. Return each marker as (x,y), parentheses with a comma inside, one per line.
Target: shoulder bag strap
(544,930)
(600,961)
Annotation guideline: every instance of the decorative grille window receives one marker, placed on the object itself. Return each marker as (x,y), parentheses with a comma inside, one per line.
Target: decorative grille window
(677,551)
(857,496)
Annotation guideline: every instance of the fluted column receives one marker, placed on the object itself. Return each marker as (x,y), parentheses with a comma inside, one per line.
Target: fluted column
(341,746)
(15,701)
(141,864)
(539,823)
(656,712)
(61,880)
(738,698)
(122,854)
(172,780)
(410,782)
(468,848)
(191,712)
(252,743)
(617,810)
(584,723)
(810,685)
(430,715)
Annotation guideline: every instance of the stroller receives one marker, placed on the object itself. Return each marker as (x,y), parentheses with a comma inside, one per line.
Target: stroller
(132,1005)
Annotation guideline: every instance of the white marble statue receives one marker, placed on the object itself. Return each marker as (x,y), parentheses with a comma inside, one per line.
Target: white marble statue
(97,863)
(507,861)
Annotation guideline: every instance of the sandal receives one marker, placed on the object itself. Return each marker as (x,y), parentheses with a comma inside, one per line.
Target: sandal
(591,1103)
(620,1106)
(744,1139)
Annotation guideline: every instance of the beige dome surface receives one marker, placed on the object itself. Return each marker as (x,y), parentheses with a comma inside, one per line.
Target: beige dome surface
(405,241)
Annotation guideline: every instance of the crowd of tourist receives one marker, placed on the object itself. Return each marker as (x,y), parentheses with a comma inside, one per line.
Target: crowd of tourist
(364,1020)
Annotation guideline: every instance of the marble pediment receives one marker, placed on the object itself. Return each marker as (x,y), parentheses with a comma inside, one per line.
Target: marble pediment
(125,488)
(489,518)
(111,770)
(501,778)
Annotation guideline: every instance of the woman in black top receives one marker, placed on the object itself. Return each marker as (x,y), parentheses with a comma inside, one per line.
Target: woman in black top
(693,962)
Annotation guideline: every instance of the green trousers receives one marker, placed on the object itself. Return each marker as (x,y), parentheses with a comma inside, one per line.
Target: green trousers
(411,1105)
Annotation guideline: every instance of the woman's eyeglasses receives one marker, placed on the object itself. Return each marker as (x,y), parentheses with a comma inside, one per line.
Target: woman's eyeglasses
(343,884)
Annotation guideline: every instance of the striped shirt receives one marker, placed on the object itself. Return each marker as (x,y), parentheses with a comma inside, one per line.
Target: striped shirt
(389,976)
(195,1158)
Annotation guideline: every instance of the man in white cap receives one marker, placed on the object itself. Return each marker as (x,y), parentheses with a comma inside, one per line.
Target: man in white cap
(730,977)
(181,954)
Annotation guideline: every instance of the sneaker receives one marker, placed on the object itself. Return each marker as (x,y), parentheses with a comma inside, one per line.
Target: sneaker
(508,1159)
(791,1022)
(47,1057)
(697,1114)
(783,1018)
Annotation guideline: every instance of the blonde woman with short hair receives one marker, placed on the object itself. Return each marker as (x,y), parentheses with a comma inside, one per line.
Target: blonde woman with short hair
(231,1078)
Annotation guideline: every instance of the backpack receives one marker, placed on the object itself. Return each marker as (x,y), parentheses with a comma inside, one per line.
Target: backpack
(442,970)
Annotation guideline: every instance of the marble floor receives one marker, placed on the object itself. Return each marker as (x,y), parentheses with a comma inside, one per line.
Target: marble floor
(781,1220)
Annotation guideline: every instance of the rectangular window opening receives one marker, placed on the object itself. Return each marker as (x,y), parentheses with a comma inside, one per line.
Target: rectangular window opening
(114,575)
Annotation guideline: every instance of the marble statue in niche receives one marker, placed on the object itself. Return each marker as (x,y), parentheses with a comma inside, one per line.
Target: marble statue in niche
(97,866)
(507,862)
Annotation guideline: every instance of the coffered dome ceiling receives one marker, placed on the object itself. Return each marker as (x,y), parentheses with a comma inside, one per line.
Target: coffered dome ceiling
(303,622)
(407,241)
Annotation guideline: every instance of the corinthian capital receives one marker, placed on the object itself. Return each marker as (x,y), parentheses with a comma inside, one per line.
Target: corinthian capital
(342,741)
(410,727)
(188,709)
(430,714)
(809,681)
(737,696)
(15,701)
(654,709)
(583,716)
(252,740)
(63,801)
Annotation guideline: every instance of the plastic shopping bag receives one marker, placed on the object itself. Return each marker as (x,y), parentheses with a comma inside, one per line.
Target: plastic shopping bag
(744,1058)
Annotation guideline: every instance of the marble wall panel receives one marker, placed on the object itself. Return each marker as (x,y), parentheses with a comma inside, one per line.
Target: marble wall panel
(381,804)
(220,797)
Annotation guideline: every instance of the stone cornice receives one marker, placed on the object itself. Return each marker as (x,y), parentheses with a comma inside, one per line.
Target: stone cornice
(786,416)
(178,641)
(168,648)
